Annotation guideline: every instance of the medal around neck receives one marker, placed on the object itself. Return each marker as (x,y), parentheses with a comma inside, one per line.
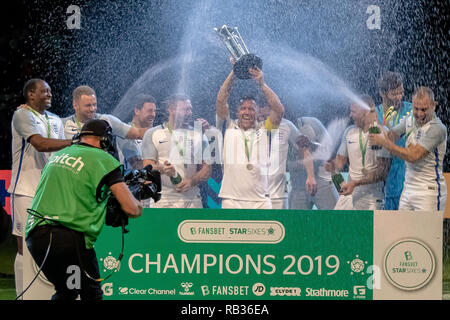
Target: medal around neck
(239,51)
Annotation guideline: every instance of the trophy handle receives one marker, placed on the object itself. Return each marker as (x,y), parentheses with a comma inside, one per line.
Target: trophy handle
(239,51)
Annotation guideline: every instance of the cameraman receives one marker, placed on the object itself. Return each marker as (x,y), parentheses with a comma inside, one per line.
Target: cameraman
(69,208)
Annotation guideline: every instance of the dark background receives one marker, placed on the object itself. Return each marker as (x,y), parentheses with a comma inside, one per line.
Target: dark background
(122,46)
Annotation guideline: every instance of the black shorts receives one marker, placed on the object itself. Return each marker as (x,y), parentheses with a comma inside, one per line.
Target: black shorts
(69,266)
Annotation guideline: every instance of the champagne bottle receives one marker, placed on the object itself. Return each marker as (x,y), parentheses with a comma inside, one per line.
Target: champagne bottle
(176,179)
(337,179)
(375,129)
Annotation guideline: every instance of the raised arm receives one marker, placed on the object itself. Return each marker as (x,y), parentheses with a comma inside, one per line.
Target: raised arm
(222,109)
(276,107)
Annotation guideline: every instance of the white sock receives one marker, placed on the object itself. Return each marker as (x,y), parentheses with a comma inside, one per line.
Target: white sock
(18,272)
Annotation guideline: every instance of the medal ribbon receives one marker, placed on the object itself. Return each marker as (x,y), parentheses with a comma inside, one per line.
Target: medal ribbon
(180,151)
(363,148)
(77,123)
(412,128)
(247,150)
(388,114)
(47,120)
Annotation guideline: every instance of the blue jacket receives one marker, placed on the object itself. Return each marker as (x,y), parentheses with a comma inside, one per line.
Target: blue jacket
(396,175)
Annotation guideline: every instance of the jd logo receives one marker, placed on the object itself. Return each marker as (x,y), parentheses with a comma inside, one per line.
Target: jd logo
(258,289)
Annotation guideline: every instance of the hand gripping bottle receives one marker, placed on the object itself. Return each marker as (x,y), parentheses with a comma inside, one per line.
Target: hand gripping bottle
(176,179)
(375,129)
(337,179)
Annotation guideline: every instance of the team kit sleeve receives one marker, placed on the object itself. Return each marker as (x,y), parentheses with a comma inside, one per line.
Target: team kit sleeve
(118,127)
(149,150)
(433,137)
(129,148)
(343,150)
(61,134)
(294,133)
(25,123)
(400,128)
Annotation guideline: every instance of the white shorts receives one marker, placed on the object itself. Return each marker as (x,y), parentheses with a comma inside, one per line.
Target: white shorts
(19,214)
(368,197)
(178,203)
(344,203)
(244,204)
(422,201)
(324,199)
(282,203)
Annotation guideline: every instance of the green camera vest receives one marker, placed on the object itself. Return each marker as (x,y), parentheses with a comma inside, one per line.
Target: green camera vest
(67,191)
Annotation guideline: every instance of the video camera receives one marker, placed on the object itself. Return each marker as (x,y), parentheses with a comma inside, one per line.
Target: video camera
(143,184)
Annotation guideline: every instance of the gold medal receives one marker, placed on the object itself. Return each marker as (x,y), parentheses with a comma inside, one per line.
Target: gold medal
(249,166)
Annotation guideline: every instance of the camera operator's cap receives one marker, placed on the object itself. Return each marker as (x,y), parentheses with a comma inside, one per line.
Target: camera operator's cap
(95,127)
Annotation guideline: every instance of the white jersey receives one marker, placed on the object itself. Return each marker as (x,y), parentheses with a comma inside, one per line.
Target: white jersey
(183,148)
(281,139)
(27,162)
(72,126)
(425,175)
(353,143)
(316,132)
(245,178)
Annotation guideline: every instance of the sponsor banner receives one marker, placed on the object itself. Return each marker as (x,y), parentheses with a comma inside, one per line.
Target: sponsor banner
(240,254)
(5,179)
(408,250)
(196,254)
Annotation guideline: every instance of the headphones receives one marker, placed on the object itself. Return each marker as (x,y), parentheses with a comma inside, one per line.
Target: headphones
(107,140)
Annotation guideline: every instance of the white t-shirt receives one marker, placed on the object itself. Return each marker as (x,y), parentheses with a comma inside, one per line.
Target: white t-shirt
(184,148)
(425,175)
(351,148)
(281,139)
(313,129)
(27,162)
(71,127)
(245,178)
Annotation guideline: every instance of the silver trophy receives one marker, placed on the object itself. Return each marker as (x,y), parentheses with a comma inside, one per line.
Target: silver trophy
(242,56)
